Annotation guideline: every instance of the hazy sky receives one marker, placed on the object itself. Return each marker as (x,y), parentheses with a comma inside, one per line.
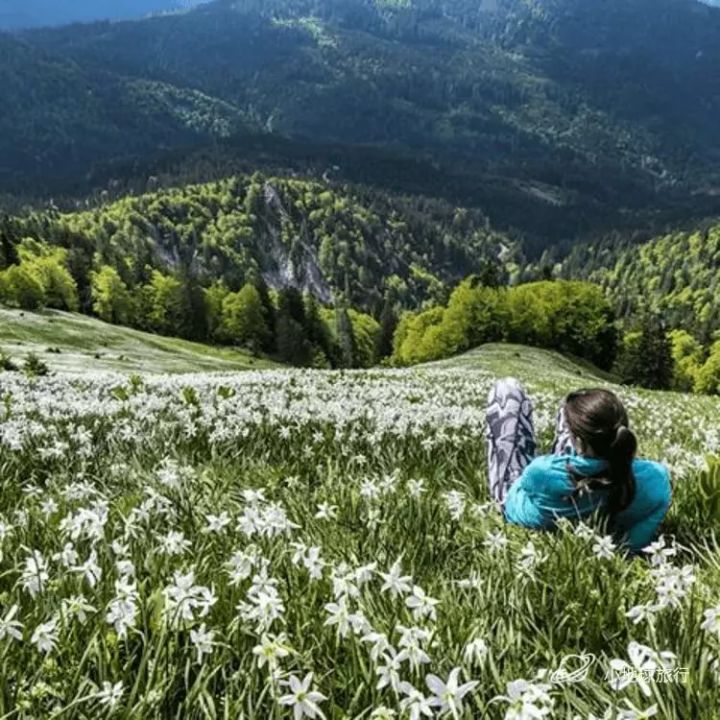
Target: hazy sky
(32,13)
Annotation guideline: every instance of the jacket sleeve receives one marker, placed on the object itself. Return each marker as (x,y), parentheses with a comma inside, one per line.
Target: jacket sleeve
(519,506)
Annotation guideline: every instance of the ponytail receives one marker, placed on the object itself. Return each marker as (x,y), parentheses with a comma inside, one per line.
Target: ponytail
(621,454)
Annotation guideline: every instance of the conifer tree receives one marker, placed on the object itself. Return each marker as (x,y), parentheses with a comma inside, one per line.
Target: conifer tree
(291,340)
(646,356)
(388,325)
(345,337)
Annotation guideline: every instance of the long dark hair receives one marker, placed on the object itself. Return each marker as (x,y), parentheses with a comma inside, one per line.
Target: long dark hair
(600,420)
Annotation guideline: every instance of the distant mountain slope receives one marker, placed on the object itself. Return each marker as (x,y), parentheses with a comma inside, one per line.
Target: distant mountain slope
(36,13)
(60,117)
(79,344)
(596,112)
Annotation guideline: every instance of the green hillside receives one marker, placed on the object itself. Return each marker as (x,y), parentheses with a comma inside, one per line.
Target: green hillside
(78,344)
(676,275)
(522,361)
(483,133)
(324,238)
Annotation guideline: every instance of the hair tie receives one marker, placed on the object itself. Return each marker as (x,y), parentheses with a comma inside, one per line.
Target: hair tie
(619,431)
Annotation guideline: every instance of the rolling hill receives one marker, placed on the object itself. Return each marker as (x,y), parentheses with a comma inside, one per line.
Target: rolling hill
(79,344)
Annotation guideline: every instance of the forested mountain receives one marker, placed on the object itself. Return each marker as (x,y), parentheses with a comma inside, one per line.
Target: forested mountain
(559,118)
(36,13)
(369,154)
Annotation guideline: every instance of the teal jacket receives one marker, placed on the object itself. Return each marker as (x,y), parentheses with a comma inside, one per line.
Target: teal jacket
(543,493)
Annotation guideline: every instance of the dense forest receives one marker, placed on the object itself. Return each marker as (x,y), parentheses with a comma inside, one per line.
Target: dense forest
(676,276)
(675,279)
(200,261)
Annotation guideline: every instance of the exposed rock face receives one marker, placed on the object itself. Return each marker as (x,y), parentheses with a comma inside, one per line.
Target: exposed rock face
(285,268)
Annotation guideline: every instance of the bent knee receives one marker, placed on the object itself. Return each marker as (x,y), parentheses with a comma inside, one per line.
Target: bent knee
(507,387)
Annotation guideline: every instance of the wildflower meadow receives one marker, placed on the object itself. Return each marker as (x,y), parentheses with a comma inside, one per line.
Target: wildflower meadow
(294,543)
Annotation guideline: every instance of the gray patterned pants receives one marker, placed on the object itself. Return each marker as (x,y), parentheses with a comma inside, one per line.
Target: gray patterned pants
(511,441)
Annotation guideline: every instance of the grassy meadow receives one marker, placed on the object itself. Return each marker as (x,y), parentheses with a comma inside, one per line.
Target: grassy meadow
(296,543)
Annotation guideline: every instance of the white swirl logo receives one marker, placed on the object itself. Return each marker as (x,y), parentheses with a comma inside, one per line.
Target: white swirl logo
(573,669)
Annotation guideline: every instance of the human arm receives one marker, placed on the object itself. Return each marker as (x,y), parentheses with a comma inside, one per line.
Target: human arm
(641,534)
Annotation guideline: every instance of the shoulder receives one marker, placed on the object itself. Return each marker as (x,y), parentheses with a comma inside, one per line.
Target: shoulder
(564,464)
(549,472)
(652,479)
(652,473)
(543,462)
(548,465)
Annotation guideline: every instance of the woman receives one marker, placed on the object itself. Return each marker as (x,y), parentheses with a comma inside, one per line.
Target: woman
(593,465)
